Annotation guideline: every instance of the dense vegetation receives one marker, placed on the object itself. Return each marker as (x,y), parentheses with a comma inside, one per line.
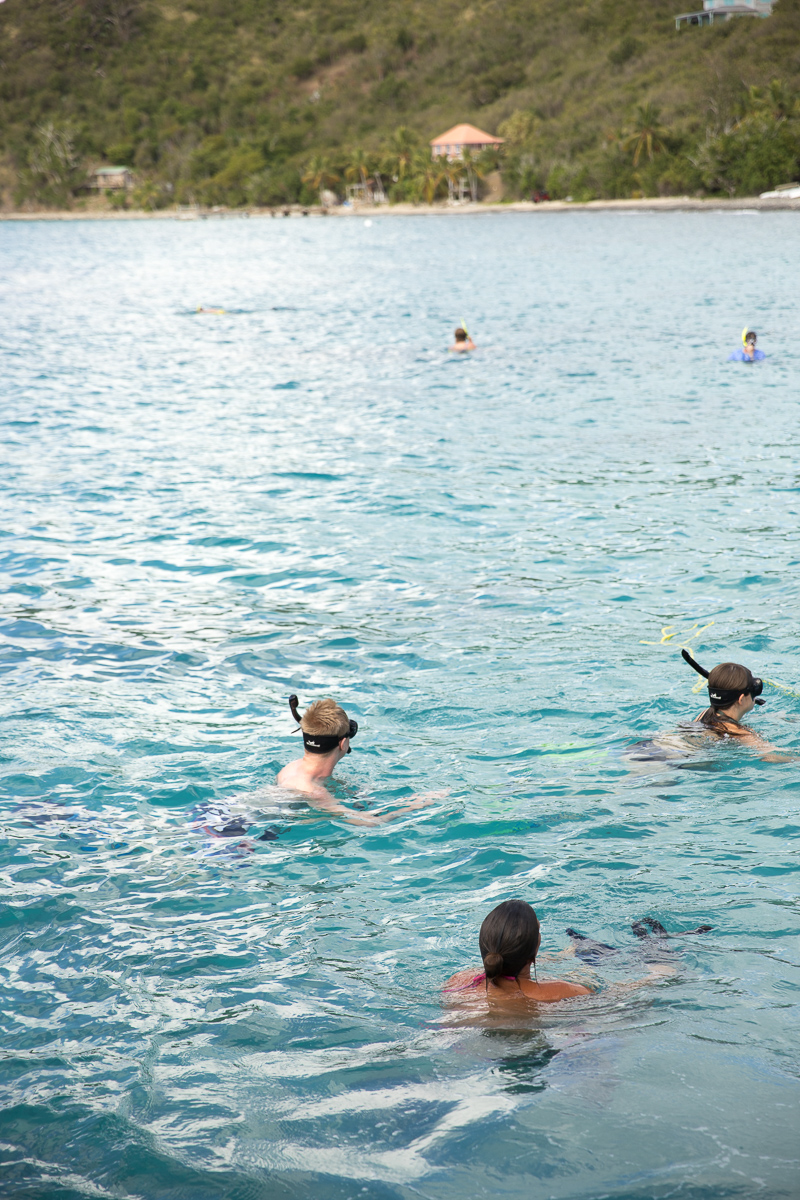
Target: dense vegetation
(267,101)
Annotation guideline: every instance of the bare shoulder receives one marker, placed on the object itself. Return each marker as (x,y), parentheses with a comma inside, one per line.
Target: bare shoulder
(288,776)
(460,979)
(293,777)
(554,990)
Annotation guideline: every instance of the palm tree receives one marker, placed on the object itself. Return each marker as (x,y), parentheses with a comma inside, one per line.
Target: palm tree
(429,174)
(453,173)
(319,174)
(777,100)
(477,167)
(359,167)
(400,151)
(647,135)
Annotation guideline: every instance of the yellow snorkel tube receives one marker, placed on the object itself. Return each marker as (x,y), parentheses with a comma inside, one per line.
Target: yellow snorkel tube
(744,335)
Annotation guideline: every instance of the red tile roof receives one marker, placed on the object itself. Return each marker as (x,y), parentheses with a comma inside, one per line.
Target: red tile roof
(466,135)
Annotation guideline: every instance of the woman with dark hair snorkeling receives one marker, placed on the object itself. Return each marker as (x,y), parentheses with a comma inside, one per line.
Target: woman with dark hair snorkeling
(733,691)
(509,942)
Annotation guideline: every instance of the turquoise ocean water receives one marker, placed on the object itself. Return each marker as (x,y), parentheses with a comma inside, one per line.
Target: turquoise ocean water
(201,514)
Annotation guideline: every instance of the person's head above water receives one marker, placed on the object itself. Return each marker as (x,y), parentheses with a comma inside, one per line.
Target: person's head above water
(325,726)
(750,338)
(509,939)
(728,683)
(461,335)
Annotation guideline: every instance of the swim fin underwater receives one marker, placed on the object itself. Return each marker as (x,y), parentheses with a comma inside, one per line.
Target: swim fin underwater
(590,951)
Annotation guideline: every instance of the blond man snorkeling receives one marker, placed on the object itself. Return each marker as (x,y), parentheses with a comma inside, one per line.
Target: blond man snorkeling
(327,732)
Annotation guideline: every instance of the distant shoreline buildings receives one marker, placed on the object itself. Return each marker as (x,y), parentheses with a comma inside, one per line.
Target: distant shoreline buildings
(455,141)
(724,10)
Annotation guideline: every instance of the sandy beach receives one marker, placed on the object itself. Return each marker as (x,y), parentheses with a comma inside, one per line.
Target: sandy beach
(658,204)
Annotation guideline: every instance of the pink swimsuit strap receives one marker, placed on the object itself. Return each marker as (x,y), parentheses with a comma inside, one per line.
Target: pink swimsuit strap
(476,981)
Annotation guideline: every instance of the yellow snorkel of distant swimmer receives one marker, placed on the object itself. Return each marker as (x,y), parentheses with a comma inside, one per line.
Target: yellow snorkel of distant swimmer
(669,632)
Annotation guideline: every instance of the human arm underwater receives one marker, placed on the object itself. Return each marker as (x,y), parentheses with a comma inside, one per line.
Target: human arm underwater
(296,779)
(324,802)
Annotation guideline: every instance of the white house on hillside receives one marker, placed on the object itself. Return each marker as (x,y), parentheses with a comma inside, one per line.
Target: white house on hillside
(724,10)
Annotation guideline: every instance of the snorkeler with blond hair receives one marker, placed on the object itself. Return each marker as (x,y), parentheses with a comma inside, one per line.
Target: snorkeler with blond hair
(327,732)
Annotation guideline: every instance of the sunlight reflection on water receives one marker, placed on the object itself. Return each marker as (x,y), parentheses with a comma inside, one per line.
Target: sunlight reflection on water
(203,513)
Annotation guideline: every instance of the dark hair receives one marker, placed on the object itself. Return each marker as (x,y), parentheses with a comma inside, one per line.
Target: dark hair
(751,333)
(461,334)
(509,939)
(726,678)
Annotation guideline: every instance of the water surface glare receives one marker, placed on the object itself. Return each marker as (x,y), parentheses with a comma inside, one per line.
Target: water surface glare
(201,514)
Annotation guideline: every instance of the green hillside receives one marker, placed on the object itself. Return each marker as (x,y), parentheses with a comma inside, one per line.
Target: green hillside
(264,101)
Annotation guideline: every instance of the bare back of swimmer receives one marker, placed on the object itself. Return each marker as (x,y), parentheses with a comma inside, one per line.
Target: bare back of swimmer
(463,342)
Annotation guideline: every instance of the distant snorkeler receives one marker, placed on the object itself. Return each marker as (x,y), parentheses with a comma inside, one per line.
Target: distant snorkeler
(215,312)
(748,351)
(327,732)
(463,341)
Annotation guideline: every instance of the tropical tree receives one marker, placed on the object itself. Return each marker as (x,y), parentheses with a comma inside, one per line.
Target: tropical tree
(319,174)
(53,163)
(401,149)
(452,173)
(476,167)
(519,128)
(776,100)
(648,133)
(428,175)
(359,166)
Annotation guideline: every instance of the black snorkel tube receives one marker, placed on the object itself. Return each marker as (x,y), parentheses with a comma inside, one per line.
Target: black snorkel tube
(320,743)
(724,699)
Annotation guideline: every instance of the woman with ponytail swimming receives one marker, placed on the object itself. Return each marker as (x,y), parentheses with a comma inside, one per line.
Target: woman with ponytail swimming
(509,942)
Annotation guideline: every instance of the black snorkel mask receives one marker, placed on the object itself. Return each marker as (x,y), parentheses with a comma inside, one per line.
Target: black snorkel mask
(724,699)
(320,743)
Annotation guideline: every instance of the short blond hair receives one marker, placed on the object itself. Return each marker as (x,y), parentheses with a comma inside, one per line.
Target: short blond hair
(325,717)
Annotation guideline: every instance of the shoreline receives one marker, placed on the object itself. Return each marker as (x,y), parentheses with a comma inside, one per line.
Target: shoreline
(658,204)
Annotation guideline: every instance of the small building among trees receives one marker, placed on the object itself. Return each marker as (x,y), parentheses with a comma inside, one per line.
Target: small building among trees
(455,141)
(111,179)
(463,144)
(724,10)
